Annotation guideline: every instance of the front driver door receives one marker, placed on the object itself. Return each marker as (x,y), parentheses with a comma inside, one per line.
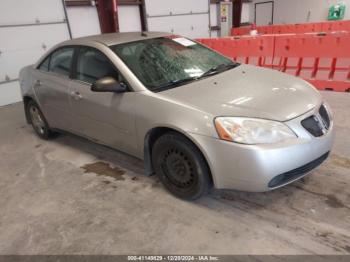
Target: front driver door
(106,117)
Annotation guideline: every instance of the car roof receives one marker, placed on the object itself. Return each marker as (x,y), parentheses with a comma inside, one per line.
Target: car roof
(116,38)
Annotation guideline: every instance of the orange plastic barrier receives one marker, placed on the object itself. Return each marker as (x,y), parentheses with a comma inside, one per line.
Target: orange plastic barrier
(323,60)
(307,28)
(336,26)
(249,50)
(244,30)
(332,26)
(265,30)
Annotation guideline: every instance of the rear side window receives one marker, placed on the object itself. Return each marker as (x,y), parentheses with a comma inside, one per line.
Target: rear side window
(61,61)
(93,65)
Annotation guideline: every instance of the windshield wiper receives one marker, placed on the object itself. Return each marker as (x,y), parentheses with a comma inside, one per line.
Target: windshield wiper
(212,71)
(174,83)
(218,69)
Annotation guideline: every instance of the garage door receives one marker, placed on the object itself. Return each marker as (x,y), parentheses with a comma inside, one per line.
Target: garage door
(27,29)
(185,17)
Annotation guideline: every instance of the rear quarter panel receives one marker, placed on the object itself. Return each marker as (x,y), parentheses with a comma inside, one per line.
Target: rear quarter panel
(26,80)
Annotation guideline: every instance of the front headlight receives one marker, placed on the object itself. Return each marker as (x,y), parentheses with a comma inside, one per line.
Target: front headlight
(252,130)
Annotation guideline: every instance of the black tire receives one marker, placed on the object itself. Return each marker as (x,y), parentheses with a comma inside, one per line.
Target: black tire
(38,120)
(180,166)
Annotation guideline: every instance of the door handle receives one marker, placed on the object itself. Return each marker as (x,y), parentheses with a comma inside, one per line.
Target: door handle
(76,95)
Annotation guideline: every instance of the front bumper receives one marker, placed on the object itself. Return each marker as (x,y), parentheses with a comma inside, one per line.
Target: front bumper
(253,167)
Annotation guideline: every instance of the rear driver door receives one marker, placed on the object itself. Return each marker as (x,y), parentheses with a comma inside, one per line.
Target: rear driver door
(52,87)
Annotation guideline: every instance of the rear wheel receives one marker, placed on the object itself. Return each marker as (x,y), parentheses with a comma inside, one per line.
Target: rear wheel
(38,120)
(180,166)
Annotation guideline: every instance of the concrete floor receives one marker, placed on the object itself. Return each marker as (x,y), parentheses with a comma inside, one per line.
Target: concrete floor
(50,204)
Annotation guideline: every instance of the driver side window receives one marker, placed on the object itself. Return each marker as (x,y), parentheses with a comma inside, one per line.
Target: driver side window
(93,65)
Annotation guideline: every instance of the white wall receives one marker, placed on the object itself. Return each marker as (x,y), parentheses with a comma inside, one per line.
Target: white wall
(129,18)
(214,18)
(27,31)
(184,17)
(245,15)
(83,20)
(301,11)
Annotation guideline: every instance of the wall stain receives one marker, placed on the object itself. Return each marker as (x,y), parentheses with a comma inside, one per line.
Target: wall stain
(340,161)
(104,169)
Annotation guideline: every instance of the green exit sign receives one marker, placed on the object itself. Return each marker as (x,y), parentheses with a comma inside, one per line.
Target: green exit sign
(336,12)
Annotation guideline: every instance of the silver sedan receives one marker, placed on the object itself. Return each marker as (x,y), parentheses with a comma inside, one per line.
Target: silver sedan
(197,118)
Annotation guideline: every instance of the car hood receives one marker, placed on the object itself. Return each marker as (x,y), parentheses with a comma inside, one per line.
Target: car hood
(248,91)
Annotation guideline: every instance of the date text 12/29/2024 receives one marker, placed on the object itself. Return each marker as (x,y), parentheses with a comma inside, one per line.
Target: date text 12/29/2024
(172,258)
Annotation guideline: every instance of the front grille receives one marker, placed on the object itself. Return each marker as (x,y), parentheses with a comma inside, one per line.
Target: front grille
(296,173)
(311,124)
(317,125)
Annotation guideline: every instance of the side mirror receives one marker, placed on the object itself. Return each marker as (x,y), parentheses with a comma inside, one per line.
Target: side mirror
(108,84)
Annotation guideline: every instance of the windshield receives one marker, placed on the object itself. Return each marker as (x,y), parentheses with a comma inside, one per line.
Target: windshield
(166,62)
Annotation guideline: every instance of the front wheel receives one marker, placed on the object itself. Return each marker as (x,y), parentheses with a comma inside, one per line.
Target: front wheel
(180,166)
